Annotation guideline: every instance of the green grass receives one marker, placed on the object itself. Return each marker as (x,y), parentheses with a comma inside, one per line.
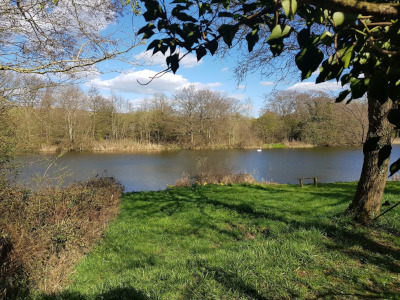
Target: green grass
(243,242)
(275,146)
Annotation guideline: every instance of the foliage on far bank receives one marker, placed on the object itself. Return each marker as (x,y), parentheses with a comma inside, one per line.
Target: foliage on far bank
(312,118)
(59,118)
(243,242)
(45,232)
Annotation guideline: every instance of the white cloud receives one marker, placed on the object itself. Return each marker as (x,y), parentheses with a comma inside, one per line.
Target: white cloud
(135,82)
(224,69)
(241,87)
(312,86)
(267,83)
(199,85)
(189,61)
(135,103)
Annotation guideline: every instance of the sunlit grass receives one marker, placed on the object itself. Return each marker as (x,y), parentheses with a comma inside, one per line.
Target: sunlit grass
(275,146)
(243,242)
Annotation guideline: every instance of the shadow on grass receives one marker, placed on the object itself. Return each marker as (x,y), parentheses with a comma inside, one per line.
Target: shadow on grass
(368,294)
(371,252)
(233,282)
(126,293)
(356,243)
(344,240)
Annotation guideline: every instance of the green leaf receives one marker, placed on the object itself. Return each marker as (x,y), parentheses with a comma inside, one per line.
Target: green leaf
(162,24)
(172,46)
(177,9)
(330,69)
(277,47)
(212,46)
(290,8)
(394,167)
(147,30)
(225,14)
(249,7)
(160,47)
(326,38)
(173,62)
(153,44)
(191,35)
(200,52)
(228,33)
(342,96)
(308,60)
(225,3)
(185,17)
(149,16)
(279,32)
(252,38)
(359,87)
(346,79)
(154,10)
(303,37)
(203,8)
(345,55)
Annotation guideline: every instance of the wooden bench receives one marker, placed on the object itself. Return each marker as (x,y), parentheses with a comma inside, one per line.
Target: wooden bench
(314,178)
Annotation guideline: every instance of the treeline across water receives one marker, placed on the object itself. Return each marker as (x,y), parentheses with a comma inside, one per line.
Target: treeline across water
(67,118)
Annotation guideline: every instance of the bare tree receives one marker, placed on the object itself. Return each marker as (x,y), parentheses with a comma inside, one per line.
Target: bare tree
(72,100)
(49,36)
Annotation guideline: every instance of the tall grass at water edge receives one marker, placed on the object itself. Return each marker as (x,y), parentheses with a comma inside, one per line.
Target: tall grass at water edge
(242,242)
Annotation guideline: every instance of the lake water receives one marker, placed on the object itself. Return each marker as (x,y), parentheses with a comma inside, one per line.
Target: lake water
(155,170)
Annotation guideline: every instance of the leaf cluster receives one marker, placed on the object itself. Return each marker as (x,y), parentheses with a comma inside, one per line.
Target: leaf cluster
(363,38)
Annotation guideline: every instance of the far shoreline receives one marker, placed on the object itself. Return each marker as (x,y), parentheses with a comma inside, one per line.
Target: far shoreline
(127,146)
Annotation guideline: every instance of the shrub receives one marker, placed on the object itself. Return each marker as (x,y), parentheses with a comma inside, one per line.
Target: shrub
(214,175)
(50,229)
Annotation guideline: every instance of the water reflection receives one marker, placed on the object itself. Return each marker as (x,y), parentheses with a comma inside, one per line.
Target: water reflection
(153,171)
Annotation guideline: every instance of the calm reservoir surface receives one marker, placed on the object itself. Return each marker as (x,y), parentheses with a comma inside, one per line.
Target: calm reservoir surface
(154,170)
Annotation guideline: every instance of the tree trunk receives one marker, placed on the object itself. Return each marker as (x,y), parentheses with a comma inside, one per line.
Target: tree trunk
(377,147)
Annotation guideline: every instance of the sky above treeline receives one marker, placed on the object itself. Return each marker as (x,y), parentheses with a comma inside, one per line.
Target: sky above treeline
(211,72)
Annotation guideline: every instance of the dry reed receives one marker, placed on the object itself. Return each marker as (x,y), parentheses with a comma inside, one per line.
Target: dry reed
(218,174)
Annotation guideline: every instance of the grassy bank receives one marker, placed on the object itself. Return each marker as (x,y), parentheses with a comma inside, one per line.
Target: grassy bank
(242,242)
(127,145)
(289,145)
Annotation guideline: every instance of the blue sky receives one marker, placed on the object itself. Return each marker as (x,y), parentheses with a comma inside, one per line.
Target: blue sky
(213,73)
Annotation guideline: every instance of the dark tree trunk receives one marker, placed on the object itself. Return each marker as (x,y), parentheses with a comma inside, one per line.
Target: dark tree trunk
(377,148)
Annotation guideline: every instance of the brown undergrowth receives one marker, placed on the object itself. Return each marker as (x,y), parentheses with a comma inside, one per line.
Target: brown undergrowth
(218,174)
(44,233)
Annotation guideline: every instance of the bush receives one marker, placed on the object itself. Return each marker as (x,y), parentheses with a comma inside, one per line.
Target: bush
(50,229)
(214,175)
